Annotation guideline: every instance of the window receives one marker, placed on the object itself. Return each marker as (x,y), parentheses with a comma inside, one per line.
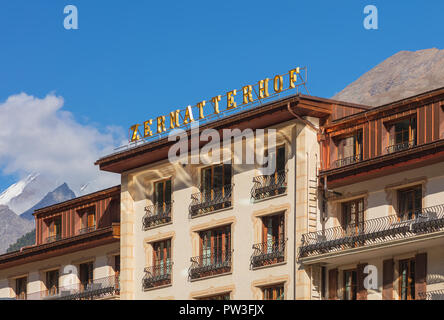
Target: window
(402,135)
(117,264)
(350,149)
(410,203)
(86,274)
(215,190)
(272,183)
(162,193)
(215,245)
(276,159)
(273,292)
(52,282)
(162,257)
(272,232)
(215,178)
(353,215)
(20,288)
(407,279)
(222,296)
(55,229)
(350,284)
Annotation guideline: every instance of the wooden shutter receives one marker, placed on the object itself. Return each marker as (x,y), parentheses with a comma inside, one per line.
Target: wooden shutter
(333,284)
(361,290)
(420,276)
(387,279)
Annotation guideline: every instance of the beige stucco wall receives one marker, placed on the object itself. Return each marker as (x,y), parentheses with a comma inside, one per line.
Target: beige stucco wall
(380,200)
(101,256)
(244,217)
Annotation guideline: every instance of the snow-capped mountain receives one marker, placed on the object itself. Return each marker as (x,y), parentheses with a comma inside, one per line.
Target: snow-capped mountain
(60,194)
(27,192)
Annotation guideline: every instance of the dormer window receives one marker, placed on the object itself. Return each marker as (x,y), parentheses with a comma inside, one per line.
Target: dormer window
(349,149)
(402,135)
(54,229)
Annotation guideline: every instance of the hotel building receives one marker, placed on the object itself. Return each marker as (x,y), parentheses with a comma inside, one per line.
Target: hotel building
(224,230)
(76,254)
(382,181)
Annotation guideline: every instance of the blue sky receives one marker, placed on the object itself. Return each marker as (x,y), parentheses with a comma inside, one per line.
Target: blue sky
(133,60)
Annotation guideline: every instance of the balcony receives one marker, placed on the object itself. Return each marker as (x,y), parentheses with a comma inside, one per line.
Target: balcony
(96,289)
(53,238)
(87,229)
(269,185)
(210,265)
(157,275)
(347,161)
(401,146)
(432,295)
(373,231)
(268,253)
(156,214)
(210,200)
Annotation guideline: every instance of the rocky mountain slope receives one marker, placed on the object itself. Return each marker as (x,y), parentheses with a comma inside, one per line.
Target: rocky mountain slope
(60,194)
(12,227)
(404,74)
(24,194)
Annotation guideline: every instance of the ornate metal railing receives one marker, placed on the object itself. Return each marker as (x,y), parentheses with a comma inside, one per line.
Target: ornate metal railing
(401,146)
(346,161)
(211,264)
(87,229)
(372,231)
(432,295)
(157,214)
(21,296)
(95,289)
(53,238)
(267,253)
(210,200)
(157,275)
(269,185)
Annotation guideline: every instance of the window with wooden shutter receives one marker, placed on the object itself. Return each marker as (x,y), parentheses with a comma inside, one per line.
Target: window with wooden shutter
(387,279)
(350,284)
(409,203)
(275,292)
(272,231)
(52,282)
(162,257)
(215,245)
(86,274)
(421,276)
(333,284)
(361,290)
(407,279)
(20,288)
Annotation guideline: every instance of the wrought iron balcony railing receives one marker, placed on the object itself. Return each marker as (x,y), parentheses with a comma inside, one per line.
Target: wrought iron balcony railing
(401,146)
(210,264)
(268,253)
(95,289)
(53,238)
(210,200)
(87,229)
(432,295)
(346,161)
(379,230)
(157,275)
(269,185)
(157,214)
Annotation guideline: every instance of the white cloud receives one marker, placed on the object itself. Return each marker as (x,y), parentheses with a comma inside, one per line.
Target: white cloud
(37,135)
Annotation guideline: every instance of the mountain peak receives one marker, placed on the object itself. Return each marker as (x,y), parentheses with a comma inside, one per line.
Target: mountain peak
(404,74)
(60,194)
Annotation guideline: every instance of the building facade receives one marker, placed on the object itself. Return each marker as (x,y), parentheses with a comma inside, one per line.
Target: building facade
(76,254)
(382,178)
(224,230)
